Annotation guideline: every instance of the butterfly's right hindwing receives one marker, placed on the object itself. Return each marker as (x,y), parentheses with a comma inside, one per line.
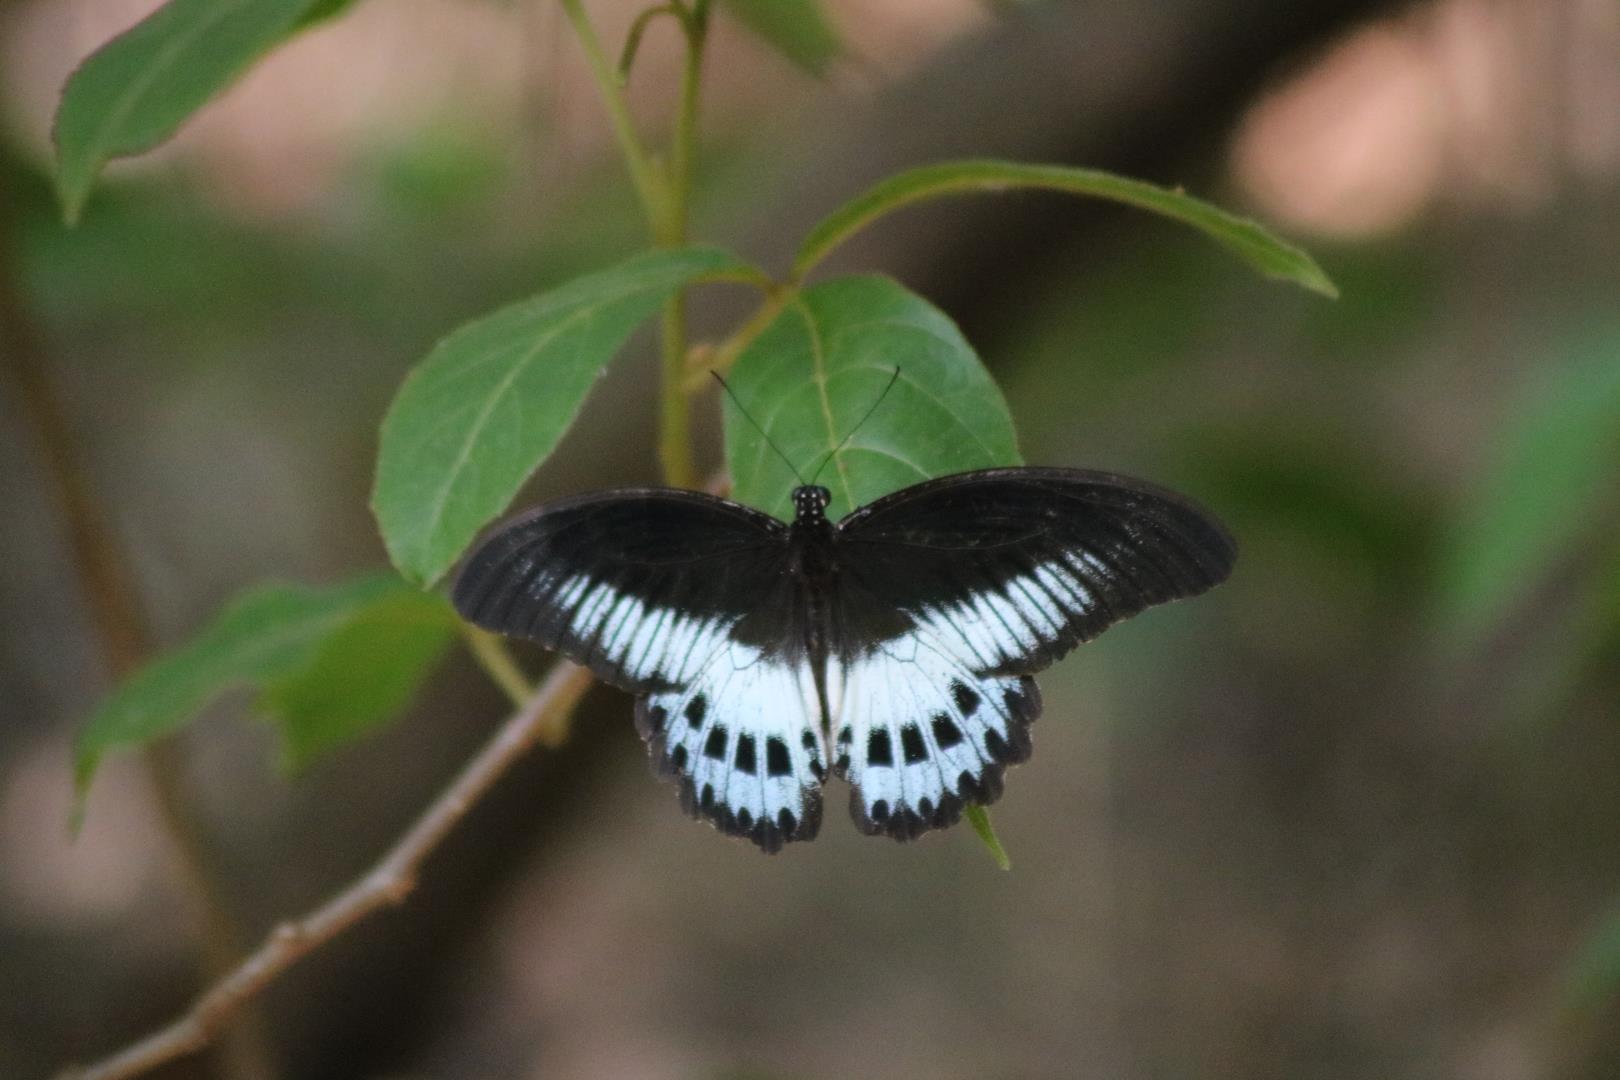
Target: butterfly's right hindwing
(743,740)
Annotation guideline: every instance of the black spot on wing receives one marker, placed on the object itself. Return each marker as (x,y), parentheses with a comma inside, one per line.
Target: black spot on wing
(878,750)
(745,755)
(716,746)
(967,699)
(695,709)
(911,744)
(777,762)
(946,733)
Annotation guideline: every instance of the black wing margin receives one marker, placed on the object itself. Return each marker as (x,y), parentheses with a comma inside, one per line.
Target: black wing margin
(638,585)
(1018,566)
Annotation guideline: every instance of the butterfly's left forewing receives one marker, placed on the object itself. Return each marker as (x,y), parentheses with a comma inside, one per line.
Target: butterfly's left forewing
(955,591)
(681,597)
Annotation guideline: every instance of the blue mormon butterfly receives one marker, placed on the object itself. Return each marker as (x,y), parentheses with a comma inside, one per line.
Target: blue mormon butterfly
(894,648)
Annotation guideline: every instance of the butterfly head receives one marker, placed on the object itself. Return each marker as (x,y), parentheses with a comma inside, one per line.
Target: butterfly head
(810,502)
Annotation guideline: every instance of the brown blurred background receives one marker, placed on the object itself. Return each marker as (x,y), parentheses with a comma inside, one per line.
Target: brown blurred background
(1356,814)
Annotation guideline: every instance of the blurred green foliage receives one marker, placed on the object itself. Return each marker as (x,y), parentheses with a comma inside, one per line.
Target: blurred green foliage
(329,662)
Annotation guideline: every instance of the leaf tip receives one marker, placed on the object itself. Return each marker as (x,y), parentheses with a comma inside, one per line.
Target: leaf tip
(979,818)
(1314,278)
(72,193)
(85,761)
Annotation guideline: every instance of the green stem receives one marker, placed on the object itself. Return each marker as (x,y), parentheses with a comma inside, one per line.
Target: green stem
(675,403)
(683,151)
(675,428)
(496,660)
(632,39)
(642,173)
(666,201)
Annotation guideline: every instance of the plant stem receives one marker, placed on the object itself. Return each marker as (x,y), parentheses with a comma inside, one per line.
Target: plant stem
(683,148)
(642,172)
(675,455)
(542,719)
(675,428)
(496,660)
(666,201)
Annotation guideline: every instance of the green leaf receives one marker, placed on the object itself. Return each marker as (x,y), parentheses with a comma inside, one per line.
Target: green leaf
(1552,484)
(821,366)
(1245,239)
(491,401)
(265,638)
(979,818)
(136,90)
(362,674)
(798,29)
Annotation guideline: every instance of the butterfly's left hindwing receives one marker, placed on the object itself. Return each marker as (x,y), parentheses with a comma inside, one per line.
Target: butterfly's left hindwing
(919,735)
(685,599)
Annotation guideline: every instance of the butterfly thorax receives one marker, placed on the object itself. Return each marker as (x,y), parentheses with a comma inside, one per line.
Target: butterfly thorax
(811,539)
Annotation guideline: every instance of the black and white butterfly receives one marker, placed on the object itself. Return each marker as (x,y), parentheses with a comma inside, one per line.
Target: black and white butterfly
(893,649)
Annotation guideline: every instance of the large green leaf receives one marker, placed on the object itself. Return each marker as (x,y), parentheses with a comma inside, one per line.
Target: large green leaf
(798,29)
(136,90)
(820,367)
(1554,479)
(305,646)
(491,401)
(1244,238)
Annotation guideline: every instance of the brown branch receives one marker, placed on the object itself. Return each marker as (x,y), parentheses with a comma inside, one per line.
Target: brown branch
(543,719)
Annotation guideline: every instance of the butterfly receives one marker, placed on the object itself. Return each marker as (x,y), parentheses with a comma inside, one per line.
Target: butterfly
(894,648)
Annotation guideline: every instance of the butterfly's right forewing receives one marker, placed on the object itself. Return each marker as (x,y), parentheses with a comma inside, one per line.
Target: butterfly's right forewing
(640,586)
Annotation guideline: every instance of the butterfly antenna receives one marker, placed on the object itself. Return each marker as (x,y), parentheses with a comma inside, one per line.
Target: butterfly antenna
(735,400)
(845,440)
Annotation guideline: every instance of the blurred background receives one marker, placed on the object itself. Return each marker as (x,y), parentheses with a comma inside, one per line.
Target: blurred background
(1355,814)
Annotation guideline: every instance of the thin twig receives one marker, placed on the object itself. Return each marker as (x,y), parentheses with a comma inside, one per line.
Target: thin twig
(649,186)
(543,720)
